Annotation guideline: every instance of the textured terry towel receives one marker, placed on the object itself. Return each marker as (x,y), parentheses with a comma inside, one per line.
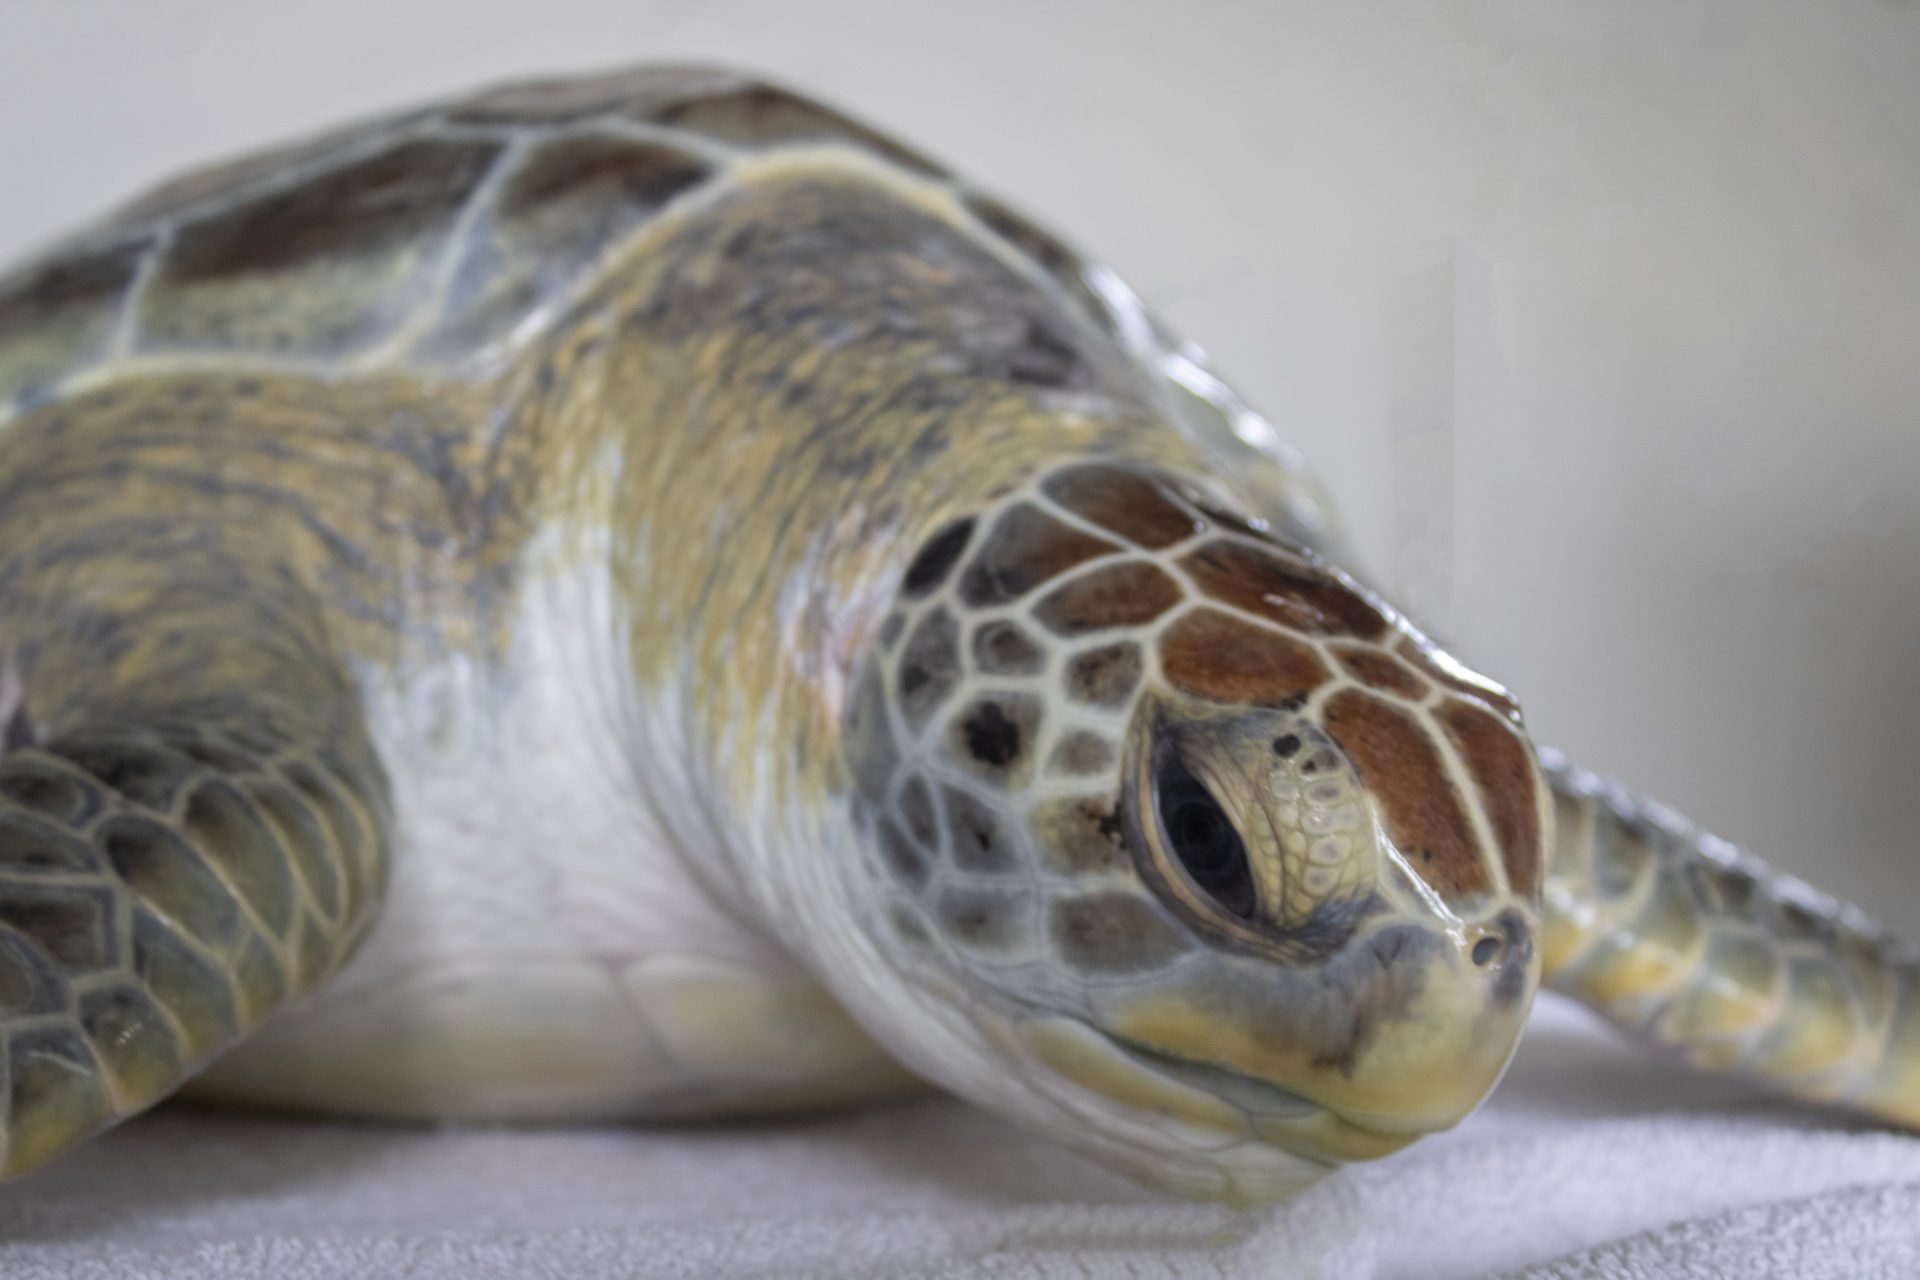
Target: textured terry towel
(1590,1162)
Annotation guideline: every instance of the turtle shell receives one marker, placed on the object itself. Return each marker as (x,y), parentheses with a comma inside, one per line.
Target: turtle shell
(448,236)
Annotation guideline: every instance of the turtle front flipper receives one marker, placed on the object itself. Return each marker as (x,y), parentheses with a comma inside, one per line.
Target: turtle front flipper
(1697,947)
(167,881)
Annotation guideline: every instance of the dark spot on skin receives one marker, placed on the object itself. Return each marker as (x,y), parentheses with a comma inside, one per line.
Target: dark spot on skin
(1003,649)
(1079,834)
(937,558)
(989,920)
(992,738)
(1105,676)
(978,842)
(1287,746)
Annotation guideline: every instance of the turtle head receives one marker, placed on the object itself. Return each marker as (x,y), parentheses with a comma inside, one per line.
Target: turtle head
(1184,845)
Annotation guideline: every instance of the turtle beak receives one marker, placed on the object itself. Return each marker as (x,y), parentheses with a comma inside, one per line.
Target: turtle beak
(1402,1033)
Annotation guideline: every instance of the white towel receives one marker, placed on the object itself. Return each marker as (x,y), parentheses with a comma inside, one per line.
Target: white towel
(1590,1162)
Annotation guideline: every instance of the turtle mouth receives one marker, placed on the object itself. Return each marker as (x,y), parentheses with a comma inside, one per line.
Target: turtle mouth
(1277,1115)
(1256,1097)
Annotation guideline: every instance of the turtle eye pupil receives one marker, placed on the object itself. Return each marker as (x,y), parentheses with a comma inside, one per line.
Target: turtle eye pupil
(1203,838)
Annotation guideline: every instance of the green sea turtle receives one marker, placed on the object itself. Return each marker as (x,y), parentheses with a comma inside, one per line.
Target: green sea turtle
(639,596)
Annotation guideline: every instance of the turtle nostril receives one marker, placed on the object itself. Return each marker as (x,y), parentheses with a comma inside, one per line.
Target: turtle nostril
(1485,950)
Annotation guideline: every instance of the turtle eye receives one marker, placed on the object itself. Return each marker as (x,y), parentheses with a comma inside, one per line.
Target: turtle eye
(1203,837)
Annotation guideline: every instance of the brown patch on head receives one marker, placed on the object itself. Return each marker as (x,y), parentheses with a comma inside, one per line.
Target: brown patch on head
(1403,772)
(1123,502)
(1124,595)
(761,115)
(1482,690)
(1275,585)
(1025,548)
(1215,655)
(1105,676)
(1503,767)
(1378,669)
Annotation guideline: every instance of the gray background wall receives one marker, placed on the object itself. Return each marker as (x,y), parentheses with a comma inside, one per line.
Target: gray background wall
(1602,320)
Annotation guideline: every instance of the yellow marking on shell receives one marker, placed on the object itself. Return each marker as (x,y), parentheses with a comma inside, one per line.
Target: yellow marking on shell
(1087,1058)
